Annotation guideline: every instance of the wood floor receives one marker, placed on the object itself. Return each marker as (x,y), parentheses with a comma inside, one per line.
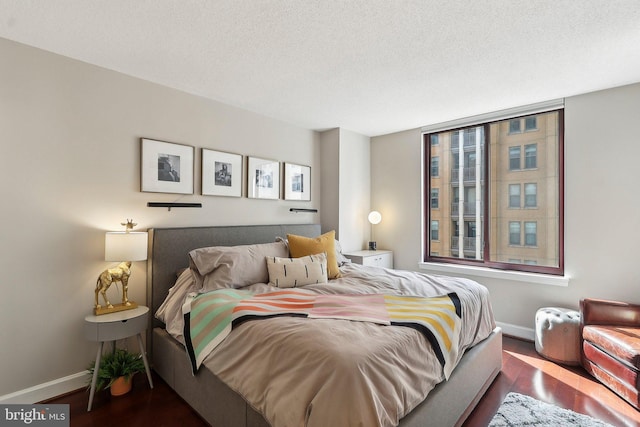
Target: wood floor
(523,371)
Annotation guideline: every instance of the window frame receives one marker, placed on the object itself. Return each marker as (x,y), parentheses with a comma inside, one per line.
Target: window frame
(526,234)
(436,192)
(435,165)
(486,120)
(511,158)
(534,157)
(529,196)
(513,196)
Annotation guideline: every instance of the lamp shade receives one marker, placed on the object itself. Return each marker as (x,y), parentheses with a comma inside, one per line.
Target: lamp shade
(374,217)
(122,246)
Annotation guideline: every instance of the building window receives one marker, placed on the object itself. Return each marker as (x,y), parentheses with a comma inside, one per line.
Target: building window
(514,158)
(485,221)
(471,228)
(435,166)
(514,126)
(435,198)
(435,230)
(530,233)
(530,123)
(434,140)
(531,156)
(514,196)
(514,233)
(530,195)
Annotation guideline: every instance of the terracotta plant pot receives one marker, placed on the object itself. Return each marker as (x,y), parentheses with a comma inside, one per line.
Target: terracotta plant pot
(122,385)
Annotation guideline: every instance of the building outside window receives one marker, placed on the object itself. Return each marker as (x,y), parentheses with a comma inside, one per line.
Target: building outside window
(435,201)
(530,195)
(514,196)
(530,124)
(530,233)
(530,156)
(514,158)
(514,126)
(514,233)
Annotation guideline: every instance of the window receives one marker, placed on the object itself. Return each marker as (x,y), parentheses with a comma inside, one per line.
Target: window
(435,230)
(530,233)
(514,233)
(514,126)
(514,158)
(434,198)
(530,124)
(530,195)
(531,156)
(514,196)
(434,139)
(490,209)
(435,166)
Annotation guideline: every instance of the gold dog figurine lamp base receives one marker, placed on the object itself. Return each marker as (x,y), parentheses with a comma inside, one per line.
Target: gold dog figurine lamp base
(118,246)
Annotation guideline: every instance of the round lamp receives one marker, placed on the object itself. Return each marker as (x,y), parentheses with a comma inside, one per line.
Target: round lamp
(374,218)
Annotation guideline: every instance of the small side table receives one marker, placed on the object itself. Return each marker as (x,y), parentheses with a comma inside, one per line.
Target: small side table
(112,327)
(378,258)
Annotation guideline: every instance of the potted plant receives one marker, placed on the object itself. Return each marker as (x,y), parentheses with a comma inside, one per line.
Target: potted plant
(116,370)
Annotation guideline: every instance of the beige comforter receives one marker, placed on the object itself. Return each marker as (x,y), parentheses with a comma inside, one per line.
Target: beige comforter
(318,373)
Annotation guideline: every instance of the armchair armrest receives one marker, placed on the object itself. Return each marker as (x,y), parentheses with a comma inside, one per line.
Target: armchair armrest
(602,312)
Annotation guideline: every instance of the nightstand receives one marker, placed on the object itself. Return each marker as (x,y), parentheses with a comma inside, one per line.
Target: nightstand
(112,327)
(379,258)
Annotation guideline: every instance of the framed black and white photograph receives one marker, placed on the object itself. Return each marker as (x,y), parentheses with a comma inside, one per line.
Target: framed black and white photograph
(221,173)
(297,182)
(166,167)
(263,178)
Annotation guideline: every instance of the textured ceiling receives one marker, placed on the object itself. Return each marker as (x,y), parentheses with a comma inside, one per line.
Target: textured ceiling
(371,66)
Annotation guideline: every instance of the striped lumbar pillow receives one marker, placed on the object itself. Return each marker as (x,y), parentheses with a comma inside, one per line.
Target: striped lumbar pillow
(293,272)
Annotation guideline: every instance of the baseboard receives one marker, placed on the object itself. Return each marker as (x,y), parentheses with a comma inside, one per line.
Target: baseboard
(517,331)
(47,390)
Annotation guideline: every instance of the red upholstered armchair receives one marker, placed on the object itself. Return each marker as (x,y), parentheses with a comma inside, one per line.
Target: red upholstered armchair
(610,351)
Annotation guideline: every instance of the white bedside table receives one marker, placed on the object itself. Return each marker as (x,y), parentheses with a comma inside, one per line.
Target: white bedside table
(379,258)
(112,327)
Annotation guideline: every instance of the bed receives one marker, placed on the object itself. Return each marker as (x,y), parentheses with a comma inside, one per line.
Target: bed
(220,399)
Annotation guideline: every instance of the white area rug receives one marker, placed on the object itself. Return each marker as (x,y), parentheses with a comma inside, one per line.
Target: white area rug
(520,410)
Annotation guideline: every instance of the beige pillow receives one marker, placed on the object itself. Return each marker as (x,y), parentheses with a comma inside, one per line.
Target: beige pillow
(294,272)
(300,246)
(221,267)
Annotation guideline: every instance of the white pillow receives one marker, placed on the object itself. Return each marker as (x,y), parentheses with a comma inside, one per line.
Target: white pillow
(170,312)
(294,272)
(220,267)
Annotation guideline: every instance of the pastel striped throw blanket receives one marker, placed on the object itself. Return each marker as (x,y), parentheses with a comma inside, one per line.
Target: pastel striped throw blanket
(211,316)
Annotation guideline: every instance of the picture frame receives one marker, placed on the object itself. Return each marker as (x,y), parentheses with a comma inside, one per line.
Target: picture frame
(263,178)
(166,167)
(221,173)
(297,182)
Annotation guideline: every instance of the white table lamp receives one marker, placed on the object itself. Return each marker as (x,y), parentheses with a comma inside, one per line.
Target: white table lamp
(124,247)
(374,218)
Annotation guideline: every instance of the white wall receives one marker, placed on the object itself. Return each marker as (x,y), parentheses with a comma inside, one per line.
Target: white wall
(601,206)
(346,186)
(71,153)
(354,190)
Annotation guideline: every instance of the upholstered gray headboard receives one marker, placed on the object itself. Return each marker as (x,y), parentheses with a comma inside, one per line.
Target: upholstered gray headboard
(169,248)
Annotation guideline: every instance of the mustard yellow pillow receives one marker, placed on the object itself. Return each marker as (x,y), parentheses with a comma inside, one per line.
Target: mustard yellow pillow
(300,246)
